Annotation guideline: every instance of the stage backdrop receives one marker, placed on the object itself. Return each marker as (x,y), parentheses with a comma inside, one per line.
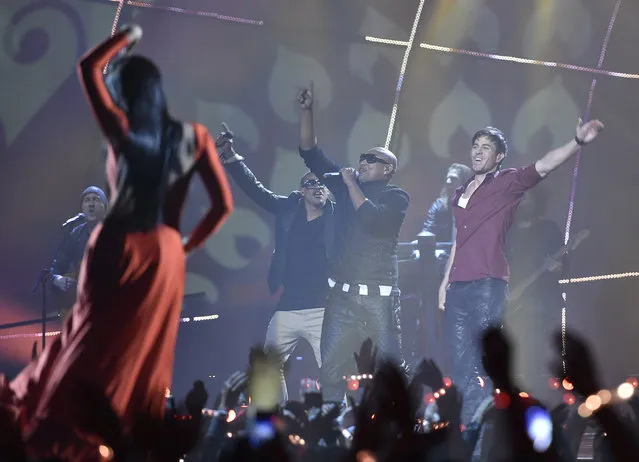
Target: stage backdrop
(246,73)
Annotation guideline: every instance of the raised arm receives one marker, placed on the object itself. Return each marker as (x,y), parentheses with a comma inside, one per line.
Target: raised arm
(586,132)
(111,118)
(308,139)
(245,178)
(210,169)
(313,157)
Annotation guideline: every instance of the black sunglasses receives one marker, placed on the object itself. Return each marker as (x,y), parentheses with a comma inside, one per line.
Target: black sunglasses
(371,159)
(312,184)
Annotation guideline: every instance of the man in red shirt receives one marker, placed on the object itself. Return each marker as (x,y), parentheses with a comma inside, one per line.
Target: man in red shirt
(474,289)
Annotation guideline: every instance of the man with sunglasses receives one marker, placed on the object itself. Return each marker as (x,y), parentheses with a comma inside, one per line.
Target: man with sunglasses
(299,263)
(363,301)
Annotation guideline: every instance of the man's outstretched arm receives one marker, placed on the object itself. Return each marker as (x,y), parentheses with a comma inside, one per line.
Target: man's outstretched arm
(586,132)
(245,178)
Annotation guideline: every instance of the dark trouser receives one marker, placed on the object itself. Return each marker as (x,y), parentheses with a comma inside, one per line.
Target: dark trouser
(471,307)
(349,319)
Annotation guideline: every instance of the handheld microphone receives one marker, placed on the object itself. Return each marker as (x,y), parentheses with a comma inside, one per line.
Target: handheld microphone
(337,174)
(80,217)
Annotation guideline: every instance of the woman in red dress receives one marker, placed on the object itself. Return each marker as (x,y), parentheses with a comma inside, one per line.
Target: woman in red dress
(120,339)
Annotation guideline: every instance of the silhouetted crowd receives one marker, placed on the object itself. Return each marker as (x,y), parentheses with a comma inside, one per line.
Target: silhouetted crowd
(385,417)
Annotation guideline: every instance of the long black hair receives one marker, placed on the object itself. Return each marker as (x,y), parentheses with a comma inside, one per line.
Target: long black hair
(135,84)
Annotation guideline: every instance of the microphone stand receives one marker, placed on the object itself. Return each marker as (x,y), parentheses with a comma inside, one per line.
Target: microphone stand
(44,277)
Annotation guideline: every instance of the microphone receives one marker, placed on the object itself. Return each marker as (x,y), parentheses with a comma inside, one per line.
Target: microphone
(80,217)
(337,174)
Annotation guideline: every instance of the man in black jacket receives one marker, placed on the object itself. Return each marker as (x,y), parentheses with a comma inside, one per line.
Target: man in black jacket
(439,217)
(300,263)
(364,298)
(66,264)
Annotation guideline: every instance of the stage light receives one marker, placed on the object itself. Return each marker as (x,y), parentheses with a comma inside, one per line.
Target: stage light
(352,384)
(384,41)
(583,411)
(365,456)
(632,381)
(605,396)
(625,390)
(501,400)
(34,335)
(106,452)
(567,384)
(599,278)
(593,402)
(514,59)
(553,383)
(569,399)
(209,14)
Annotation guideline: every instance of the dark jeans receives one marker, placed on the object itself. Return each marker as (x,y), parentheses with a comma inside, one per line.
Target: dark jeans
(349,319)
(471,307)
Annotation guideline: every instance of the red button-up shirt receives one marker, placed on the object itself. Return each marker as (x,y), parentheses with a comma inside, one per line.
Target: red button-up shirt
(482,226)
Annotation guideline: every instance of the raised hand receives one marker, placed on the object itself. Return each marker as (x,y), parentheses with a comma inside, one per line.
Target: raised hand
(429,374)
(349,175)
(233,386)
(305,97)
(196,398)
(366,360)
(224,143)
(450,406)
(496,358)
(586,132)
(580,366)
(134,34)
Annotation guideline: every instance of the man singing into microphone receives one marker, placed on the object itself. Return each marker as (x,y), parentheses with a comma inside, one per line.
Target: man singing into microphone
(363,301)
(66,264)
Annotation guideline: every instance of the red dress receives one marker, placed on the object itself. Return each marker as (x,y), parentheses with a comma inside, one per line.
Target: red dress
(120,338)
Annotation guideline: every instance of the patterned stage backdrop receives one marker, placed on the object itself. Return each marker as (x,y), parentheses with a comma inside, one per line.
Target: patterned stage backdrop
(246,73)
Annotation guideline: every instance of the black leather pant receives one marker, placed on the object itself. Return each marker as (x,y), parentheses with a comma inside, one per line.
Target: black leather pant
(349,319)
(471,307)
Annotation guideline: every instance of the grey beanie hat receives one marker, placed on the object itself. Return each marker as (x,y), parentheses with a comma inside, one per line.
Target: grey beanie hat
(95,190)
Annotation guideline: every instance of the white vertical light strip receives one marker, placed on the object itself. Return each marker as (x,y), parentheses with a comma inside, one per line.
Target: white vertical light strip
(563,334)
(575,175)
(402,71)
(114,27)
